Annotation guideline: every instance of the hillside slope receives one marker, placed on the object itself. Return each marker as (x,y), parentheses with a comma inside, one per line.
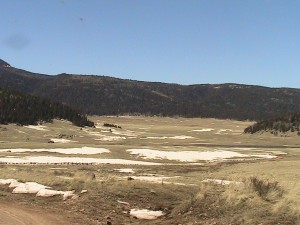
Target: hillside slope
(102,95)
(24,110)
(282,124)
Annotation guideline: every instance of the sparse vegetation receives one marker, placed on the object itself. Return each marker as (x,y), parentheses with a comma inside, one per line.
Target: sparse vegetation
(270,196)
(256,201)
(111,125)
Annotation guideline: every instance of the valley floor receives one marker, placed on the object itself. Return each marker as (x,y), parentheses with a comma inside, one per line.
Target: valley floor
(183,171)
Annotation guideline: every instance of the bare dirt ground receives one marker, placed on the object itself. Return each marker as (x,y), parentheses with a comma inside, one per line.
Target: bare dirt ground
(13,214)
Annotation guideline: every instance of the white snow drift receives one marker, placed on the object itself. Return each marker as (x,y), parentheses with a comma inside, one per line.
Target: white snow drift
(37,127)
(185,156)
(35,188)
(221,182)
(83,150)
(70,160)
(146,214)
(193,156)
(125,170)
(61,140)
(204,130)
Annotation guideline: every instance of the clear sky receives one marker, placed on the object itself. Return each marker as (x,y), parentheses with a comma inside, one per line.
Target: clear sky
(174,41)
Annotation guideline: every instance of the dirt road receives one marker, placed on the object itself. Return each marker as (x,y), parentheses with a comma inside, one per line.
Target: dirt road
(11,214)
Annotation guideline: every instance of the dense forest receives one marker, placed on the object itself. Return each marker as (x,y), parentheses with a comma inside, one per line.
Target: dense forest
(23,109)
(281,124)
(102,95)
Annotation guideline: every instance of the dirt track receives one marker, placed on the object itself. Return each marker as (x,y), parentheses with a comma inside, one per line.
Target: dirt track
(11,214)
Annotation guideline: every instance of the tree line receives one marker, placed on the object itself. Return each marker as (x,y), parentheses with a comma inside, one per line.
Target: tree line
(25,109)
(281,124)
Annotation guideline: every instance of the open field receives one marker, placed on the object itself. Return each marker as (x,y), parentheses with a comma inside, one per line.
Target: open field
(178,168)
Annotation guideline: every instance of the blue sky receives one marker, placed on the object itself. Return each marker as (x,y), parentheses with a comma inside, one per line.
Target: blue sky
(174,41)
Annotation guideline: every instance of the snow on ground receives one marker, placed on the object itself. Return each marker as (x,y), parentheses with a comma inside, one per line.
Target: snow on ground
(94,133)
(28,188)
(185,156)
(21,132)
(265,156)
(146,214)
(48,193)
(277,152)
(154,179)
(125,170)
(110,138)
(83,150)
(223,131)
(61,140)
(221,182)
(104,137)
(180,137)
(35,188)
(37,127)
(71,160)
(127,133)
(7,181)
(204,130)
(158,138)
(160,179)
(193,156)
(15,184)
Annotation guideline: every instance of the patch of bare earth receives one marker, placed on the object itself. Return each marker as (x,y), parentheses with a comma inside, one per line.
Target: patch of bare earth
(14,214)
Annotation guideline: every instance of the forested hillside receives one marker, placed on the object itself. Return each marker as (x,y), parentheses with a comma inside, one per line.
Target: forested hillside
(282,124)
(24,110)
(102,95)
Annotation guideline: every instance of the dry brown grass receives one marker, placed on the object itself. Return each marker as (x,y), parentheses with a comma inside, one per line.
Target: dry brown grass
(260,200)
(256,201)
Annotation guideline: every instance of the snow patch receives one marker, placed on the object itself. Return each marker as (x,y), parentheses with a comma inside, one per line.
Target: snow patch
(204,130)
(110,138)
(48,193)
(71,160)
(29,188)
(265,156)
(223,131)
(7,181)
(37,127)
(36,188)
(146,214)
(125,170)
(185,156)
(221,182)
(61,140)
(83,150)
(180,137)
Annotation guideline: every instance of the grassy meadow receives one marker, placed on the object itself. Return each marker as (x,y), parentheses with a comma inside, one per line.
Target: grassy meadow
(264,188)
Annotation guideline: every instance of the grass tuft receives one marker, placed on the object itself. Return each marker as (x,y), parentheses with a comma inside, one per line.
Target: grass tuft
(265,189)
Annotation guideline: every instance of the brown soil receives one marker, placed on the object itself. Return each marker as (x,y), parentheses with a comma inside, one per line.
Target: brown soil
(13,214)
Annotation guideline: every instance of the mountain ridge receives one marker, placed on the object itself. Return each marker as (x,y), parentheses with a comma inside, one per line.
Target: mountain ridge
(105,95)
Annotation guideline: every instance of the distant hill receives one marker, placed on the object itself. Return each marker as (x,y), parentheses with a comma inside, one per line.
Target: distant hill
(102,95)
(290,123)
(24,110)
(3,63)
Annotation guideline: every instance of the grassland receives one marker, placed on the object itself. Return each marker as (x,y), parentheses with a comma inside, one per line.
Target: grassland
(268,192)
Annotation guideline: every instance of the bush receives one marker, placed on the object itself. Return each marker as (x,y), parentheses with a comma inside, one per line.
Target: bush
(265,189)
